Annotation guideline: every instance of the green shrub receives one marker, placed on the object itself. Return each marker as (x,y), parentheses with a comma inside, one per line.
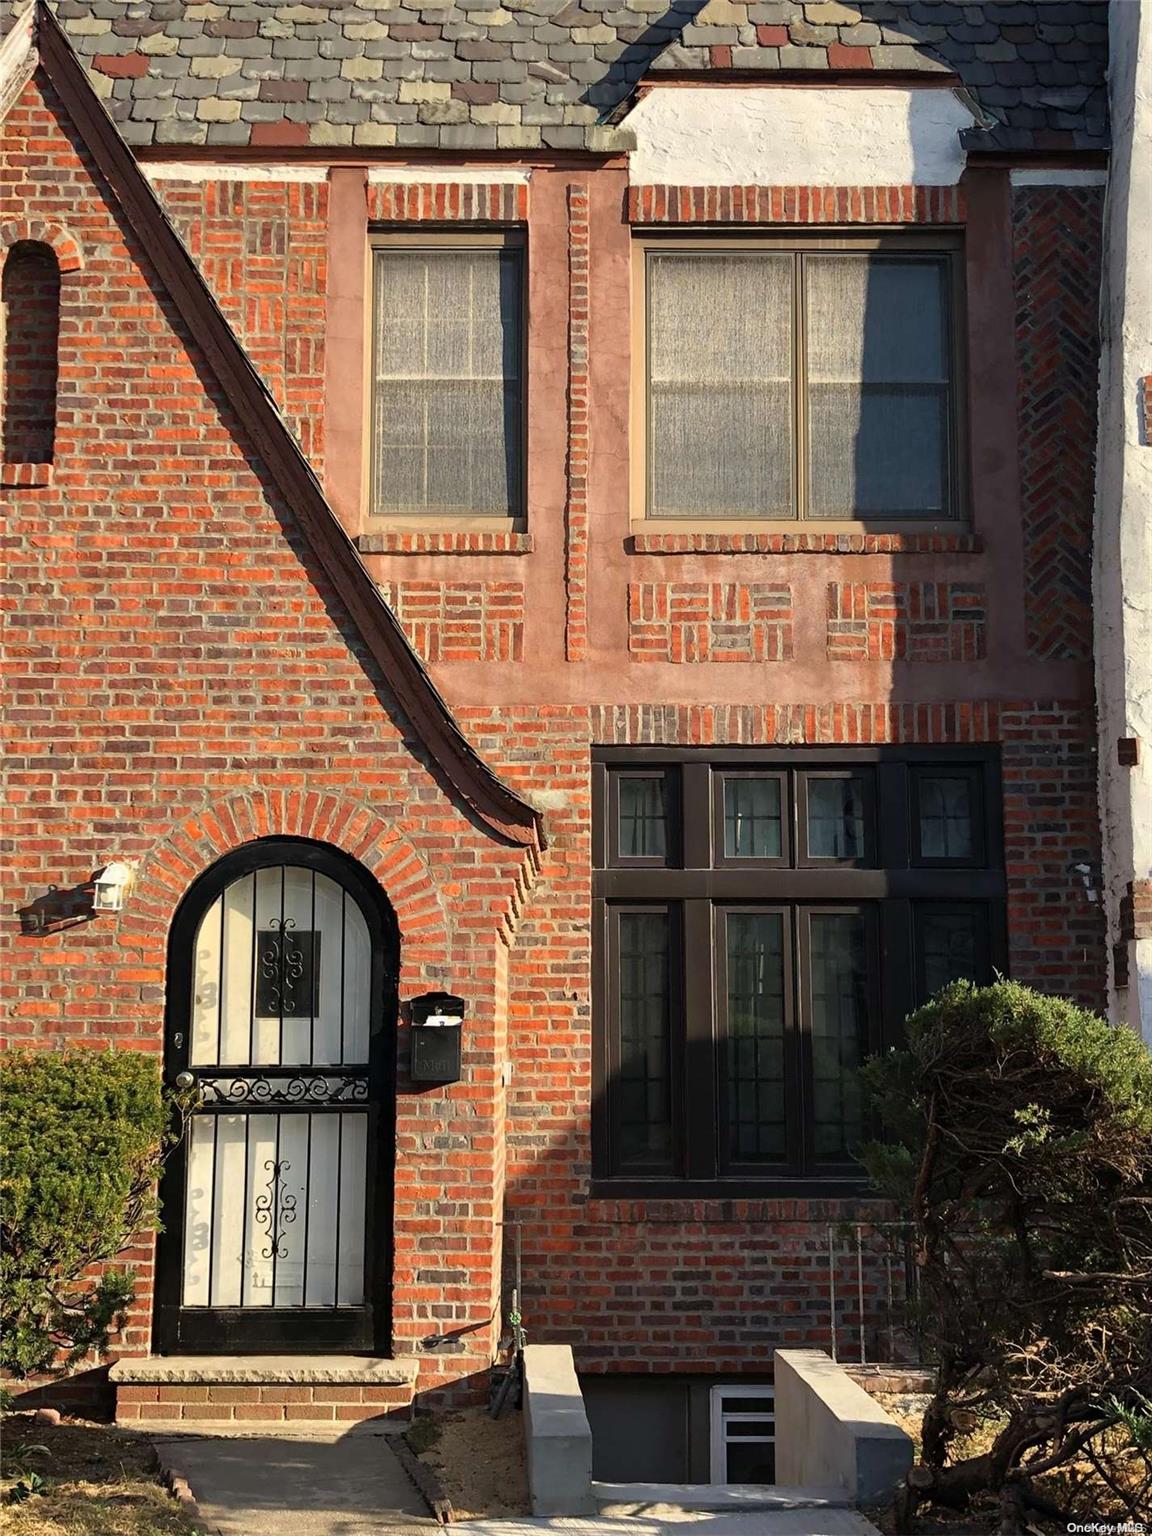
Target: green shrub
(82,1134)
(1019,1140)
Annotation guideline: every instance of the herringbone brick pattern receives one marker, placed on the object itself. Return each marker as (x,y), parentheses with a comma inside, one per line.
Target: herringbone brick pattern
(1056,234)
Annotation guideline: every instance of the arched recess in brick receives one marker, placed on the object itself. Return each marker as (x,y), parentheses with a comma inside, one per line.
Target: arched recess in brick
(200,840)
(30,294)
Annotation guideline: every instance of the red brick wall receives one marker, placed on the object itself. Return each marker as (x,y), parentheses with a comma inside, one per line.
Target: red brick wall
(182,680)
(31,297)
(263,247)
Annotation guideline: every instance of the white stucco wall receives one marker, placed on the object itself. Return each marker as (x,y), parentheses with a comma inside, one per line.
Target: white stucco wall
(1122,576)
(798,135)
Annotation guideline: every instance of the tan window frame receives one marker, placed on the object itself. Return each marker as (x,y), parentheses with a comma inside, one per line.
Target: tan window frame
(428,522)
(925,243)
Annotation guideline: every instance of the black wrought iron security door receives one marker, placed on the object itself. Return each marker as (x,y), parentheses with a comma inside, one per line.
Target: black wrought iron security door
(281,1014)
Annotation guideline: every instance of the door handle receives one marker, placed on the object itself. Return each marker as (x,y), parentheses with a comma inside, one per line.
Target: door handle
(185,1080)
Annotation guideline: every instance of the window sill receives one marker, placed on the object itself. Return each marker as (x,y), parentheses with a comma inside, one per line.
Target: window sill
(721,542)
(444,541)
(22,475)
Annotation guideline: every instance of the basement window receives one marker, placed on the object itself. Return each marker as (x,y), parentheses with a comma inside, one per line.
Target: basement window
(743,1433)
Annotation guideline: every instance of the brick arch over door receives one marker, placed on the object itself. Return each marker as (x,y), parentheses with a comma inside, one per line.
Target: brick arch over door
(200,840)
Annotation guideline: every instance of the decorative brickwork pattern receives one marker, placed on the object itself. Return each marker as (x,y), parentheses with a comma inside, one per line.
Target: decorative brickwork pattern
(905,621)
(262,245)
(576,506)
(795,205)
(709,621)
(443,541)
(814,724)
(705,543)
(461,620)
(1056,236)
(445,202)
(69,257)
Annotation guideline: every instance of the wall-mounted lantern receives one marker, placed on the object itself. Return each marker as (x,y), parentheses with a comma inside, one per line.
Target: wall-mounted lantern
(111,885)
(437,1028)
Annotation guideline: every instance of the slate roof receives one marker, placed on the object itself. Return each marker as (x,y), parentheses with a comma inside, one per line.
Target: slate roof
(556,74)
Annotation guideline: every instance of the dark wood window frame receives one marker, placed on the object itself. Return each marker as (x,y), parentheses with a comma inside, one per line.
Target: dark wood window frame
(699,886)
(945,245)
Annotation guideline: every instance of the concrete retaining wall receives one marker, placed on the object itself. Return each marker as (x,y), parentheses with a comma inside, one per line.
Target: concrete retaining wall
(557,1433)
(831,1434)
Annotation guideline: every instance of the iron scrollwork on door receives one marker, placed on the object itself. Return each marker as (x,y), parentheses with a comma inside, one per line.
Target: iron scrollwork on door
(275,1209)
(288,971)
(322,1088)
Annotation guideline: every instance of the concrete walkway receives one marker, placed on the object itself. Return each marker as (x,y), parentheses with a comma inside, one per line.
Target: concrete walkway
(252,1484)
(277,1485)
(688,1522)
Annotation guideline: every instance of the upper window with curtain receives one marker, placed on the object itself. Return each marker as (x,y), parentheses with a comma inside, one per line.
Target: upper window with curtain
(447,390)
(813,382)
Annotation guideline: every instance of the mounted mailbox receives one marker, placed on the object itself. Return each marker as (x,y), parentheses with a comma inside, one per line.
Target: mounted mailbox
(437,1028)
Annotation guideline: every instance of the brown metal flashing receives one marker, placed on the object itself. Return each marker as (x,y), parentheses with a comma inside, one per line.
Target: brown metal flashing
(497,805)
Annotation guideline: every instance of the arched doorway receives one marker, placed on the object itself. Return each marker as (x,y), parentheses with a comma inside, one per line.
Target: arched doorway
(277,1208)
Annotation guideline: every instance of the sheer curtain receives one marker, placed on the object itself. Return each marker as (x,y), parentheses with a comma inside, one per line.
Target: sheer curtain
(447,381)
(720,384)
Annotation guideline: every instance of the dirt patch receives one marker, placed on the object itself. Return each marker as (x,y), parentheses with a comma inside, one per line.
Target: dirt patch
(478,1461)
(90,1480)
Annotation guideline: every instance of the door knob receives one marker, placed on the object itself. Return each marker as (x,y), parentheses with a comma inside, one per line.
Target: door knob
(185,1079)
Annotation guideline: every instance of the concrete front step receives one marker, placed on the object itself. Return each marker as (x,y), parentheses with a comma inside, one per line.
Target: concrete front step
(307,1391)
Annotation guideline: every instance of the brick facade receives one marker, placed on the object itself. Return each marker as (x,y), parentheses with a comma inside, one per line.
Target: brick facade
(721,621)
(796,205)
(187,680)
(263,247)
(905,621)
(1056,235)
(461,620)
(31,299)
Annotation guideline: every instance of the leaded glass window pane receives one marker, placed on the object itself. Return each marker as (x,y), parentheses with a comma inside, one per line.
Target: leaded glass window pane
(878,386)
(839,1025)
(950,948)
(836,818)
(947,817)
(644,1088)
(720,384)
(752,827)
(643,828)
(756,1022)
(447,381)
